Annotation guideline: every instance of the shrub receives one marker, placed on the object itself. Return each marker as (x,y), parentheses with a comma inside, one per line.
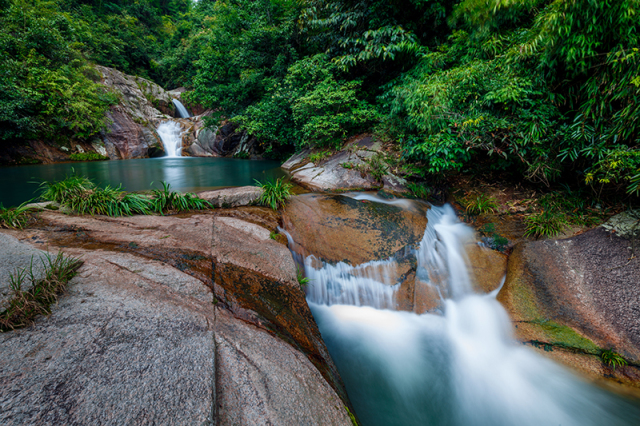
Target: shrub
(418,190)
(479,204)
(274,193)
(318,156)
(16,218)
(544,224)
(87,156)
(25,305)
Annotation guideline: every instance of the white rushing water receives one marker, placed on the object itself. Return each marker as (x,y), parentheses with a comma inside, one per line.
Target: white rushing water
(458,367)
(182,111)
(171,134)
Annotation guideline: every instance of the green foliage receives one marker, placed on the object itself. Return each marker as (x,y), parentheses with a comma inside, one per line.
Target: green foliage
(612,359)
(15,218)
(84,197)
(317,157)
(246,48)
(25,305)
(87,156)
(310,107)
(243,155)
(166,200)
(274,193)
(302,280)
(418,190)
(273,235)
(46,84)
(63,191)
(477,204)
(494,240)
(545,224)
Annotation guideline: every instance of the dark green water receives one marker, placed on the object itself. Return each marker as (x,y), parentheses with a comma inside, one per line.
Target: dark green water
(20,183)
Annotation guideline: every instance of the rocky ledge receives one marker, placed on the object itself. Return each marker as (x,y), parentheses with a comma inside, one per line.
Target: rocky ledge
(171,320)
(574,298)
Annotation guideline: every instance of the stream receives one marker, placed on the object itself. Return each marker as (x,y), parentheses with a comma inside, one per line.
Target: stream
(457,366)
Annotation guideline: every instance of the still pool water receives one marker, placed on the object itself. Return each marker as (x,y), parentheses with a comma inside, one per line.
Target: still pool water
(19,184)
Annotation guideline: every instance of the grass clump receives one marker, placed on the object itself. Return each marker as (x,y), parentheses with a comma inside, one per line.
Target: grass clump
(302,280)
(166,200)
(274,193)
(544,224)
(418,190)
(84,197)
(87,156)
(612,359)
(15,218)
(318,156)
(65,190)
(25,305)
(477,204)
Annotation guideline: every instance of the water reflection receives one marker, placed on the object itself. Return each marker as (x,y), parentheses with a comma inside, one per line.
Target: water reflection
(19,184)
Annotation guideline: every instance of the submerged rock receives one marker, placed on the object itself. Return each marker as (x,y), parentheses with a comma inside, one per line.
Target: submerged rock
(579,296)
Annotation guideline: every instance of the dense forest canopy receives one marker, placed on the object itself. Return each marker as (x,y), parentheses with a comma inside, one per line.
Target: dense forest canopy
(545,89)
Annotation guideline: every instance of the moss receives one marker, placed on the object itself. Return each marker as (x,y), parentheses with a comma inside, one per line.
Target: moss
(564,336)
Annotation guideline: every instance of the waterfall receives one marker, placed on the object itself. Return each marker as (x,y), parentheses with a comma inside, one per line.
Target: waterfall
(171,134)
(459,367)
(182,111)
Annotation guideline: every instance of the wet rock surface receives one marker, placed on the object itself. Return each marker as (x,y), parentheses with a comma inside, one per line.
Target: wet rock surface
(134,339)
(132,132)
(580,294)
(338,228)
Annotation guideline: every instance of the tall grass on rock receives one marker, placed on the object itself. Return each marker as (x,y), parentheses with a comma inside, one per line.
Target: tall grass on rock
(166,200)
(83,197)
(274,193)
(15,218)
(26,304)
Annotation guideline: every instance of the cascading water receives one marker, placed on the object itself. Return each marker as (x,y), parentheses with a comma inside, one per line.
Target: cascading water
(182,111)
(171,134)
(459,368)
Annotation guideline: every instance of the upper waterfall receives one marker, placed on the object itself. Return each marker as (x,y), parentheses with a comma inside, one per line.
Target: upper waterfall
(182,111)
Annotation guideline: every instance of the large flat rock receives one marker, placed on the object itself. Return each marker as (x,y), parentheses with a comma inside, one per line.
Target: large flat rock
(131,342)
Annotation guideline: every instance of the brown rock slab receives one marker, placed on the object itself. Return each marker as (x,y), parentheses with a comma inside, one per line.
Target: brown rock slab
(339,228)
(488,268)
(579,293)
